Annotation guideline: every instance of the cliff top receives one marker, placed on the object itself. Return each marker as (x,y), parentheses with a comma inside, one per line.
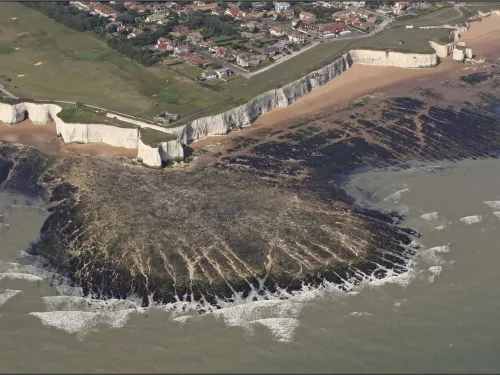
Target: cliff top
(152,137)
(86,115)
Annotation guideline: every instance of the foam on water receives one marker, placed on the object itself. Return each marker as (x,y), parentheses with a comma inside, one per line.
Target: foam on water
(468,220)
(83,322)
(22,276)
(497,214)
(493,204)
(360,313)
(434,271)
(282,329)
(430,216)
(75,303)
(8,294)
(397,195)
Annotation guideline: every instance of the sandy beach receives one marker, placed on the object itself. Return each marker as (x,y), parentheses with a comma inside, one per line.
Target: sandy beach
(43,137)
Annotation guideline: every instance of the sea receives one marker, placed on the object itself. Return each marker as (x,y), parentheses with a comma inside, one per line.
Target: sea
(442,315)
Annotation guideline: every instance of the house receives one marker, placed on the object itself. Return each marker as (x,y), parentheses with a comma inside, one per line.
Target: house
(180,30)
(218,10)
(181,48)
(155,17)
(207,44)
(296,38)
(309,28)
(105,11)
(200,2)
(161,8)
(295,21)
(224,72)
(197,60)
(336,28)
(235,12)
(281,6)
(165,44)
(270,51)
(253,35)
(400,7)
(209,75)
(247,60)
(134,6)
(276,30)
(307,17)
(258,6)
(194,37)
(223,53)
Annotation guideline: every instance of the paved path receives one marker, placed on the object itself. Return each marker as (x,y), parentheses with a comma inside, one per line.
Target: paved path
(10,95)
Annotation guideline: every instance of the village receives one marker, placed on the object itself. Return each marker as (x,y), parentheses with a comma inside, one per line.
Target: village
(227,39)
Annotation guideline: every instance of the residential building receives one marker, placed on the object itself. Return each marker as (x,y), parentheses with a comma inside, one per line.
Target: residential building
(309,28)
(253,35)
(207,44)
(224,72)
(209,75)
(307,17)
(258,6)
(180,30)
(194,37)
(247,60)
(335,28)
(281,6)
(296,38)
(276,30)
(155,17)
(197,60)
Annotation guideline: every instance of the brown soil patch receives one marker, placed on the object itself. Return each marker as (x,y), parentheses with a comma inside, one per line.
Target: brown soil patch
(43,137)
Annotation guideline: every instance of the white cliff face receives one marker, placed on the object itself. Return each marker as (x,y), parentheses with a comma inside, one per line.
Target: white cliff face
(147,154)
(99,133)
(244,115)
(442,50)
(396,59)
(171,150)
(459,54)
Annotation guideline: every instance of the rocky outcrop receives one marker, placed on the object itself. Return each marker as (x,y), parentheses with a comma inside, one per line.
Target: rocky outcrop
(459,54)
(442,50)
(171,150)
(147,154)
(396,59)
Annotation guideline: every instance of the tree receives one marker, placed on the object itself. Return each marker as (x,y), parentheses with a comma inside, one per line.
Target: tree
(245,5)
(216,65)
(269,5)
(223,5)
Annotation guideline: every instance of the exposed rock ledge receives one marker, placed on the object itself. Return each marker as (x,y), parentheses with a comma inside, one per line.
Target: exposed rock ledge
(239,117)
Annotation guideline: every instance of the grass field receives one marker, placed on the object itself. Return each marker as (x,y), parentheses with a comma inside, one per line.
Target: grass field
(447,15)
(416,40)
(80,67)
(6,48)
(85,115)
(152,137)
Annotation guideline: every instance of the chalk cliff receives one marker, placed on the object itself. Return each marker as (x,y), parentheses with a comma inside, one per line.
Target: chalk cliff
(239,117)
(396,59)
(442,50)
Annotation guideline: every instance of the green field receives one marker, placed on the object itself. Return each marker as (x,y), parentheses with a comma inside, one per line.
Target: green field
(6,48)
(86,115)
(80,67)
(152,137)
(415,40)
(447,15)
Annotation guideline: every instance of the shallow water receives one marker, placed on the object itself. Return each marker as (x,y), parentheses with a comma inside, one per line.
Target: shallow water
(440,317)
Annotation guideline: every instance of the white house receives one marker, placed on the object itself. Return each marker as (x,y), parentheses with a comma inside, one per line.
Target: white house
(281,6)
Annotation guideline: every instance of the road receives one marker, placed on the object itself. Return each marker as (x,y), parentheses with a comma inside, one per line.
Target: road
(10,95)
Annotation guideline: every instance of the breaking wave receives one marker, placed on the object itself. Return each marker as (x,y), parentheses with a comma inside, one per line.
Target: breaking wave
(8,294)
(468,220)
